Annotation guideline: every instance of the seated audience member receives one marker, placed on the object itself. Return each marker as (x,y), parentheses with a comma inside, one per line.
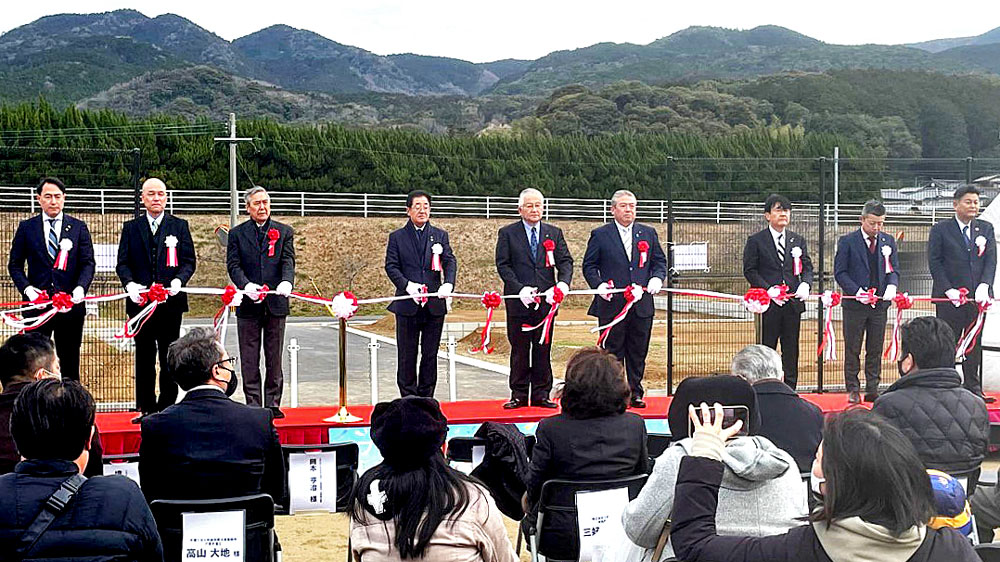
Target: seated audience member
(789,421)
(25,358)
(593,438)
(947,424)
(208,446)
(106,519)
(876,501)
(412,505)
(762,492)
(951,509)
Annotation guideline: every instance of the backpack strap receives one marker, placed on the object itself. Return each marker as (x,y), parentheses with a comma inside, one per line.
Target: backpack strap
(51,509)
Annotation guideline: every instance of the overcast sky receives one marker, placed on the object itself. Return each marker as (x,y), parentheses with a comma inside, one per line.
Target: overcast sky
(481,31)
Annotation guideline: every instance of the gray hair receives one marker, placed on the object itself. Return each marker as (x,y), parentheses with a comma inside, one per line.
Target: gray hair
(622,193)
(528,191)
(254,191)
(191,358)
(756,363)
(873,207)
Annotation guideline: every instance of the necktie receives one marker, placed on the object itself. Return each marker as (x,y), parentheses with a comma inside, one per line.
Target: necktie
(781,247)
(53,241)
(153,226)
(534,243)
(965,232)
(420,236)
(627,242)
(871,244)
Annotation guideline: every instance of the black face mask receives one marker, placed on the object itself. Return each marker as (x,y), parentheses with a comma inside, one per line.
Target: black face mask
(233,383)
(899,367)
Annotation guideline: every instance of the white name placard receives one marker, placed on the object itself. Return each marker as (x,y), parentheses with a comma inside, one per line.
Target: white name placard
(216,535)
(312,481)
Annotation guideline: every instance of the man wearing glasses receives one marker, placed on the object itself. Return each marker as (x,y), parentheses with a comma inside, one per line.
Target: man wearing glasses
(208,446)
(622,254)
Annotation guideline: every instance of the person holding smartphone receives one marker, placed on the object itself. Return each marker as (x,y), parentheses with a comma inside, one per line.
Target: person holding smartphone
(763,495)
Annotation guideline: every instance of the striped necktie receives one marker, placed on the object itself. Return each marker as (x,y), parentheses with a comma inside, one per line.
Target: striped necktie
(781,247)
(53,240)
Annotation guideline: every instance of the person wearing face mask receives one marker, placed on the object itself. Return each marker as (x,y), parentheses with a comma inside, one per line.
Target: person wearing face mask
(207,445)
(27,358)
(947,424)
(875,500)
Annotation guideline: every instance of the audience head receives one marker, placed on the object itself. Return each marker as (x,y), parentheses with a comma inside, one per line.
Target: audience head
(951,507)
(27,357)
(727,390)
(413,487)
(869,469)
(756,363)
(53,419)
(197,358)
(595,385)
(926,342)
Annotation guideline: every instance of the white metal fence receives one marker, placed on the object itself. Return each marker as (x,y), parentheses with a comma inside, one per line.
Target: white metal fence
(289,203)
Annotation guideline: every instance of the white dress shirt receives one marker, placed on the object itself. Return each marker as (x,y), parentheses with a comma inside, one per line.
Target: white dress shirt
(625,233)
(159,222)
(46,225)
(784,242)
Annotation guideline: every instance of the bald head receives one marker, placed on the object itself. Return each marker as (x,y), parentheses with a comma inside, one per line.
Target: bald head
(154,196)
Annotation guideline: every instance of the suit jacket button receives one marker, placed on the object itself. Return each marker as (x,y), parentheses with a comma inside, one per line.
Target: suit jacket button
(630,269)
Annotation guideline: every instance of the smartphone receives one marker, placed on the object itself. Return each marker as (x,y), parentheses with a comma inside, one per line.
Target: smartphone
(729,416)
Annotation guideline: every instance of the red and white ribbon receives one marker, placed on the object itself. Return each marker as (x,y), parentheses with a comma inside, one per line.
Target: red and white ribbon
(436,251)
(230,297)
(550,249)
(60,302)
(171,243)
(62,259)
(797,260)
(868,297)
(632,295)
(828,346)
(779,294)
(886,254)
(757,300)
(549,320)
(903,302)
(643,252)
(971,333)
(344,305)
(491,300)
(151,298)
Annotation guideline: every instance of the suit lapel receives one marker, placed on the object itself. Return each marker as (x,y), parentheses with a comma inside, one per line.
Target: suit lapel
(863,248)
(616,241)
(543,235)
(430,238)
(143,225)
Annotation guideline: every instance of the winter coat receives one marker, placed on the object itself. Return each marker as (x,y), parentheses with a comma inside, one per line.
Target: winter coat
(947,424)
(504,466)
(850,540)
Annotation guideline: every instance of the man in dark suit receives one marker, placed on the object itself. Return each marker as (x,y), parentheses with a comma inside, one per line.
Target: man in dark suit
(962,254)
(207,446)
(859,267)
(620,254)
(417,259)
(155,247)
(27,358)
(777,256)
(261,253)
(791,422)
(530,272)
(39,241)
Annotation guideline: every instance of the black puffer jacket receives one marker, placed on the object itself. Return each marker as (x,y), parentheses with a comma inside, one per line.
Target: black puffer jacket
(947,424)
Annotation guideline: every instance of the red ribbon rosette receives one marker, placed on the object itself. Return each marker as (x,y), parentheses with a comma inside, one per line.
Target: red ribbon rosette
(272,239)
(156,293)
(62,301)
(757,300)
(491,300)
(643,252)
(344,305)
(550,248)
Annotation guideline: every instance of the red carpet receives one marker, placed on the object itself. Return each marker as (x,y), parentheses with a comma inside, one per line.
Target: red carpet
(305,426)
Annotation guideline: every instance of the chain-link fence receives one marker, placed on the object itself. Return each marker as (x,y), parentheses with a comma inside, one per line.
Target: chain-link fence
(105,363)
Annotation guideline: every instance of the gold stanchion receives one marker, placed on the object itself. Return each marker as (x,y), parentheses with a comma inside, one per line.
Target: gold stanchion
(758,329)
(343,416)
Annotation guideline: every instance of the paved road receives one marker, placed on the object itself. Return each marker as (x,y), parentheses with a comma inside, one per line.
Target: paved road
(319,360)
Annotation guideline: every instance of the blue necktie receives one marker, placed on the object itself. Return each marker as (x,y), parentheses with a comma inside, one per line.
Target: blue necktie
(534,243)
(965,232)
(53,242)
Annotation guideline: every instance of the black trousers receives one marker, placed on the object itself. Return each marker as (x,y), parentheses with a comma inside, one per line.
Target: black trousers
(162,329)
(959,319)
(530,361)
(66,328)
(781,323)
(422,332)
(861,321)
(252,332)
(629,342)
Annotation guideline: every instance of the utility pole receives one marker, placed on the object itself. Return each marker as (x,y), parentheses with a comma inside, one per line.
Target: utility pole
(233,140)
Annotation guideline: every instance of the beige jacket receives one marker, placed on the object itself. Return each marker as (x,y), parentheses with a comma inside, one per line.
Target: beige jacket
(478,535)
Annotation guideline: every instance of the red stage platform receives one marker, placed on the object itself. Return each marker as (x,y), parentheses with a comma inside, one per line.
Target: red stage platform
(305,426)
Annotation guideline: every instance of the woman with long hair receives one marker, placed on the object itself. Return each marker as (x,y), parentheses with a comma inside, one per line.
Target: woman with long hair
(413,505)
(875,500)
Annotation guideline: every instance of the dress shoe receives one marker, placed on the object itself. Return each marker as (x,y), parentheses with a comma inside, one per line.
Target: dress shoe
(854,397)
(636,403)
(138,419)
(545,404)
(278,414)
(871,396)
(514,404)
(987,399)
